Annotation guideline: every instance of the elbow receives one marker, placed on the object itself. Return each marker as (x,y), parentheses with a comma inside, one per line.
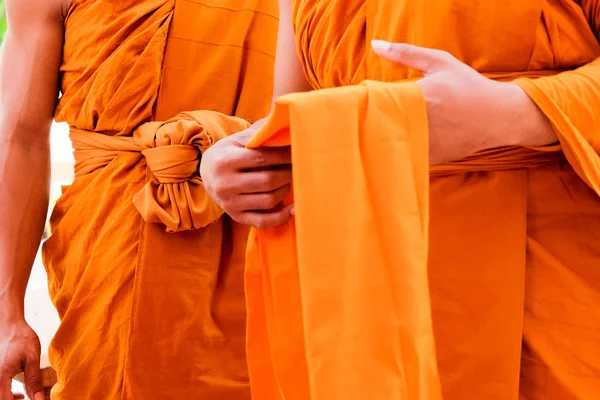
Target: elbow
(29,134)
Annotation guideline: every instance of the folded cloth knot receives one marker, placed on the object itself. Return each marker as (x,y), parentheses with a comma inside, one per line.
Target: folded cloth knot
(174,164)
(173,149)
(175,195)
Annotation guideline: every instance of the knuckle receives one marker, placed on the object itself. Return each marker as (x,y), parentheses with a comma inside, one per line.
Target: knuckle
(217,186)
(265,182)
(220,186)
(259,159)
(400,50)
(32,354)
(260,223)
(271,180)
(237,217)
(33,381)
(220,161)
(236,212)
(271,200)
(226,206)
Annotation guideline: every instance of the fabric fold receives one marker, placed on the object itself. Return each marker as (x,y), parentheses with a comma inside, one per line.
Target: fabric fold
(127,291)
(558,97)
(174,195)
(343,313)
(513,232)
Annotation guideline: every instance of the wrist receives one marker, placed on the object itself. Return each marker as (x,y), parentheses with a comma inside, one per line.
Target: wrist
(12,307)
(527,125)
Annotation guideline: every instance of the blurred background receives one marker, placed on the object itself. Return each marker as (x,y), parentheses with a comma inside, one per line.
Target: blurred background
(2,20)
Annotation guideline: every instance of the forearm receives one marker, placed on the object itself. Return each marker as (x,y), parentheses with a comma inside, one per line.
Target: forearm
(29,74)
(530,127)
(289,74)
(24,177)
(570,101)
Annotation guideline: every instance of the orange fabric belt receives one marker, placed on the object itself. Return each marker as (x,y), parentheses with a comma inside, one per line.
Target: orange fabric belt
(172,150)
(502,159)
(178,163)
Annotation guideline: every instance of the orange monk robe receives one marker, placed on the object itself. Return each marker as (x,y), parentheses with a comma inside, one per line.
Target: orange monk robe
(349,305)
(513,254)
(145,271)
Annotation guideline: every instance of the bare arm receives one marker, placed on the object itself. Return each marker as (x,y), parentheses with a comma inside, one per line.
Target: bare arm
(250,184)
(29,91)
(29,88)
(289,75)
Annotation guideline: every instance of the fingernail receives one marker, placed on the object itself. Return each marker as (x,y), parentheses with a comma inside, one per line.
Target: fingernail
(293,211)
(381,45)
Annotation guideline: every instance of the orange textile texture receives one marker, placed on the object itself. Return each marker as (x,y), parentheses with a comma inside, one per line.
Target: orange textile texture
(145,270)
(348,322)
(513,254)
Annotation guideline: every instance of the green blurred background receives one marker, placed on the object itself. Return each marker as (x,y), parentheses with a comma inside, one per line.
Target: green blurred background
(2,20)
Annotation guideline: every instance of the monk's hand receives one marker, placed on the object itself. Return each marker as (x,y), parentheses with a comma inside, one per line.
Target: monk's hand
(248,184)
(19,352)
(468,112)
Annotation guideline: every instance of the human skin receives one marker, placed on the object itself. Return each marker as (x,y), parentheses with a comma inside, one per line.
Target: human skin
(468,112)
(30,85)
(289,78)
(451,107)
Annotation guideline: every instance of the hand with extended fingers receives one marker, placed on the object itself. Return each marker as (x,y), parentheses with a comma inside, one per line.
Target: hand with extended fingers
(468,112)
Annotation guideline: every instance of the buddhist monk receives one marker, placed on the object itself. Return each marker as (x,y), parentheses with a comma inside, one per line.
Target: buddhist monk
(146,271)
(446,185)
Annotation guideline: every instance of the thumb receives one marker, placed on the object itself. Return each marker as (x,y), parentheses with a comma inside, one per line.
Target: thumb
(422,59)
(243,137)
(33,379)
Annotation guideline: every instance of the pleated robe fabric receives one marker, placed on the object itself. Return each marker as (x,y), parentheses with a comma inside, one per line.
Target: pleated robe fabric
(145,270)
(479,280)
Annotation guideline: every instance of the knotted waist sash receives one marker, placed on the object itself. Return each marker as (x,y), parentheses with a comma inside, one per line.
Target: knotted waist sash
(174,195)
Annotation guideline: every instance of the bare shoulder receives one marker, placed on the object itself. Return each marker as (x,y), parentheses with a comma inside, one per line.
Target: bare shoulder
(26,12)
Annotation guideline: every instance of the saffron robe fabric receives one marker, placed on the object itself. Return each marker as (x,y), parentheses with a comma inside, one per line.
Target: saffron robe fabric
(479,280)
(145,270)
